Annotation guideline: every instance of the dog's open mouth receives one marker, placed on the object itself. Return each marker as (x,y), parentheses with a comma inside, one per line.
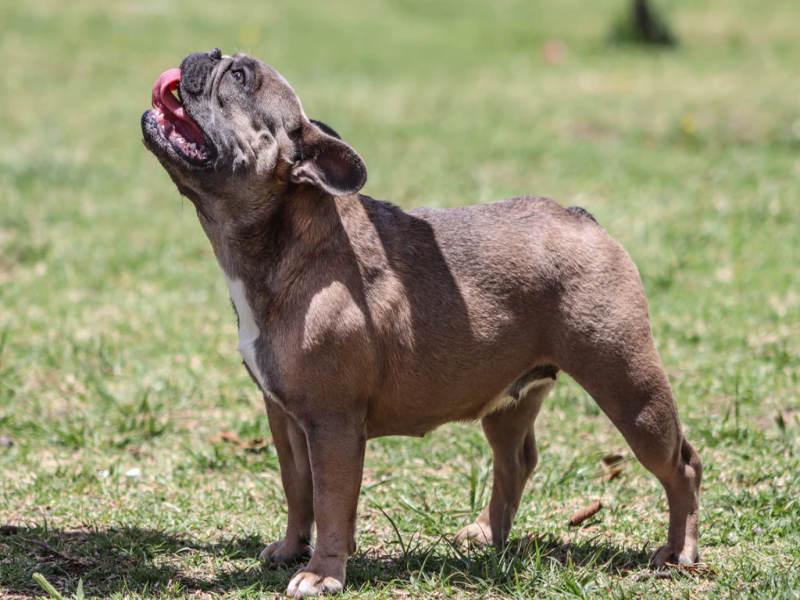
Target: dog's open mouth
(173,121)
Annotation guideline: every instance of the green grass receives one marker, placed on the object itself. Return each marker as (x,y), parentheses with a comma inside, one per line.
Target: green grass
(118,342)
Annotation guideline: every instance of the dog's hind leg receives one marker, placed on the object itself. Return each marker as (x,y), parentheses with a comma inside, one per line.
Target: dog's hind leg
(618,365)
(290,442)
(509,431)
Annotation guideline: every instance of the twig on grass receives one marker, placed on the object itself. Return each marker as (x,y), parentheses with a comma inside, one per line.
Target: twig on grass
(585,513)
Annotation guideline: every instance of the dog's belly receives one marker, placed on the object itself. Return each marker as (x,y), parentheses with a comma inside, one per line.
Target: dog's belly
(416,416)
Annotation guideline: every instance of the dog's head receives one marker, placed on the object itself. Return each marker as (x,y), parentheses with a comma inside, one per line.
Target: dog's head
(238,130)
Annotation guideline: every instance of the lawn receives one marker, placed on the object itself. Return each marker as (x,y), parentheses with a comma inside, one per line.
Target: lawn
(135,453)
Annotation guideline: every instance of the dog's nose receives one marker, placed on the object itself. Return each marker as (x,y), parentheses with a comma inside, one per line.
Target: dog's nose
(195,69)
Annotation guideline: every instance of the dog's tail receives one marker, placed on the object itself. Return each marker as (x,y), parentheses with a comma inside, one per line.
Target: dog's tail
(582,213)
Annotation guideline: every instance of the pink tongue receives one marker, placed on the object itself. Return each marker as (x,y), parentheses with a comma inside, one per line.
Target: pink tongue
(163,98)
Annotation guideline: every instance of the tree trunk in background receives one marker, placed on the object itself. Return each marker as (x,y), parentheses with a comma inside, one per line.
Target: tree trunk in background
(642,24)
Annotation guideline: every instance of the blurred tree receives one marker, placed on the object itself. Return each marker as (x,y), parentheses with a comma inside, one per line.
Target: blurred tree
(643,23)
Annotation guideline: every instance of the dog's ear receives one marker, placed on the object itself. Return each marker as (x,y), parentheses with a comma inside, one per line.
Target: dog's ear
(328,163)
(326,128)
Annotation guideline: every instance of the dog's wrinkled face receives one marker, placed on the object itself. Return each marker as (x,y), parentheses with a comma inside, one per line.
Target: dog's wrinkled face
(237,129)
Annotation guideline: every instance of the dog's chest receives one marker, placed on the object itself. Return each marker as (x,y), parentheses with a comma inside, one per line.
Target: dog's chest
(248,329)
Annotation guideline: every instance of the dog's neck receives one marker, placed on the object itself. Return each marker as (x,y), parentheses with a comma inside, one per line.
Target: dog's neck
(289,226)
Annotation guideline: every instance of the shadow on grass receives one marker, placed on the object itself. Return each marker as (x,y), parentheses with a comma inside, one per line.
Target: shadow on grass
(153,562)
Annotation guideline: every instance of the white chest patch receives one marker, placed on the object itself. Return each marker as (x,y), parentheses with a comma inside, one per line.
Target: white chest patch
(248,330)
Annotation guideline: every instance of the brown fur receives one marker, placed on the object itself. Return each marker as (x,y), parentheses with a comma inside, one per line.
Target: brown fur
(373,321)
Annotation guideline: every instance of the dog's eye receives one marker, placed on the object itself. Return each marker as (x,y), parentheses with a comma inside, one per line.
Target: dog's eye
(238,76)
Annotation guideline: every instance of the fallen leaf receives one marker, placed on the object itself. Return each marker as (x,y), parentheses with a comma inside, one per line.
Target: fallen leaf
(612,466)
(553,51)
(254,445)
(585,513)
(612,461)
(225,436)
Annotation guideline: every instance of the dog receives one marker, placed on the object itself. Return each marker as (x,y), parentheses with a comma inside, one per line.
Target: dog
(359,320)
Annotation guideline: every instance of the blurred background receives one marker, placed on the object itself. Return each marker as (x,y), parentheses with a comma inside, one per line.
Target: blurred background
(121,394)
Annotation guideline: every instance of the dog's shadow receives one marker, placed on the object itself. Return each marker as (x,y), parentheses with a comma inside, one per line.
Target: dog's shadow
(146,561)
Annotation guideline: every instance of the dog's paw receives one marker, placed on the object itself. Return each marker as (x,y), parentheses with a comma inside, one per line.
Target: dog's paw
(310,584)
(324,577)
(476,534)
(666,554)
(283,551)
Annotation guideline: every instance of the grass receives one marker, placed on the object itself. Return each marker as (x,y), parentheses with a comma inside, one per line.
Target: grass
(118,372)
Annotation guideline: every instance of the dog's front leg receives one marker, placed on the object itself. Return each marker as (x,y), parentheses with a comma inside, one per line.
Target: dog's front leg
(336,446)
(290,442)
